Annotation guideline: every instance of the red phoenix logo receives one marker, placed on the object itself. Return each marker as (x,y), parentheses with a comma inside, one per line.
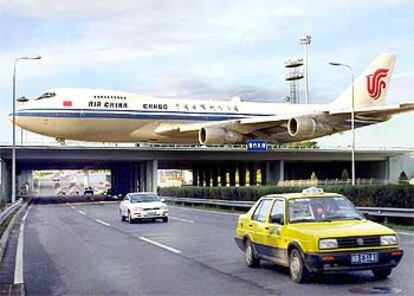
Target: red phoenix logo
(376,83)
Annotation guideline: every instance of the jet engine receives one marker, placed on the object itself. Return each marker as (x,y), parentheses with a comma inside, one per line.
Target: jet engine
(208,135)
(305,127)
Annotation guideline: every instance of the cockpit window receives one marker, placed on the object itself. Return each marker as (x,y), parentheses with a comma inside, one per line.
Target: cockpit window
(46,95)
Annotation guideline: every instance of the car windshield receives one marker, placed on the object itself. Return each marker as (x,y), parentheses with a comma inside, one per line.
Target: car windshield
(135,198)
(317,209)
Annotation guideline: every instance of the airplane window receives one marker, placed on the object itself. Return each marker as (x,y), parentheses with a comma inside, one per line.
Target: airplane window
(46,95)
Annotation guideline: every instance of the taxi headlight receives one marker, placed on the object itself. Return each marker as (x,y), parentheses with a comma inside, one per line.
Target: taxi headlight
(164,208)
(388,240)
(137,210)
(328,243)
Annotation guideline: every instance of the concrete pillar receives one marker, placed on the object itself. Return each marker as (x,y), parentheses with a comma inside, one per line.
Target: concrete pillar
(195,176)
(151,175)
(232,171)
(201,176)
(215,175)
(141,177)
(263,173)
(282,170)
(5,181)
(273,172)
(242,174)
(223,176)
(208,176)
(252,174)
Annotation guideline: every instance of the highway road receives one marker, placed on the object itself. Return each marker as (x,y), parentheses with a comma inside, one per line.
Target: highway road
(74,249)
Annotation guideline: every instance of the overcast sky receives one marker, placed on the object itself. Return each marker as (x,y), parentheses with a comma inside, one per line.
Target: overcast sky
(207,49)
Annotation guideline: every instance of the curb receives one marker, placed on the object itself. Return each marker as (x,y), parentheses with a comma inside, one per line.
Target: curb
(5,237)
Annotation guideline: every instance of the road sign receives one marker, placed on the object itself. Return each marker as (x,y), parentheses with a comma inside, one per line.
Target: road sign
(257,145)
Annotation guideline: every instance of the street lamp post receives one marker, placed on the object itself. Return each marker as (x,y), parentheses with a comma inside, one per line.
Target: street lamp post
(352,118)
(13,197)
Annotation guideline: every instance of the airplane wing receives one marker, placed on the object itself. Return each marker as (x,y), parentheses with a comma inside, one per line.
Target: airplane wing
(377,111)
(265,127)
(243,126)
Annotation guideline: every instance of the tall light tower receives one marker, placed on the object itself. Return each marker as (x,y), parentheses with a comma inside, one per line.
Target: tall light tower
(306,40)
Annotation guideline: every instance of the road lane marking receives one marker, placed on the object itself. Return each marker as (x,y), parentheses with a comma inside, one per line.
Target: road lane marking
(72,207)
(102,222)
(159,245)
(181,219)
(81,212)
(207,211)
(18,268)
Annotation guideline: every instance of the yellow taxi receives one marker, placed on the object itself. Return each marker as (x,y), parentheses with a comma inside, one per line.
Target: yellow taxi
(315,232)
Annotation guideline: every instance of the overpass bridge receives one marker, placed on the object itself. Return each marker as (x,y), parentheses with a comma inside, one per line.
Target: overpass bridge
(134,168)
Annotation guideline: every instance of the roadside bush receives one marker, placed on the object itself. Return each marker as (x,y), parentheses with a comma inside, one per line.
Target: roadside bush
(396,196)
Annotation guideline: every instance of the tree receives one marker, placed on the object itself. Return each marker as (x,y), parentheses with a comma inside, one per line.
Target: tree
(345,175)
(403,179)
(314,177)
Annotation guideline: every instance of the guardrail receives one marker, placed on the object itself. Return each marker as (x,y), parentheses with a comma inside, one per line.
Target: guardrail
(10,209)
(245,205)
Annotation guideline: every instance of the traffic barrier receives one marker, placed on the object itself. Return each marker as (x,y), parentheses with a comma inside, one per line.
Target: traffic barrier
(246,205)
(4,216)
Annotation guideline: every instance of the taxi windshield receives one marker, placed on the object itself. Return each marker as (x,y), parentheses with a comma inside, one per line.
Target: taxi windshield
(316,209)
(136,198)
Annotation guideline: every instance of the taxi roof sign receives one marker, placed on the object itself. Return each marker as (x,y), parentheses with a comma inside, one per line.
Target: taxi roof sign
(312,190)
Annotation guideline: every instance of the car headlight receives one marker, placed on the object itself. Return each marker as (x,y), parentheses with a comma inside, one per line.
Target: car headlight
(388,240)
(328,243)
(137,209)
(164,208)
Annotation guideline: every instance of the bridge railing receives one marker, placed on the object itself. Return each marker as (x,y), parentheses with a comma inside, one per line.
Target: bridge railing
(246,205)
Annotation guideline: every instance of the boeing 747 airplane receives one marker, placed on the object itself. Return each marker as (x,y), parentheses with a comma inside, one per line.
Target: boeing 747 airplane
(114,116)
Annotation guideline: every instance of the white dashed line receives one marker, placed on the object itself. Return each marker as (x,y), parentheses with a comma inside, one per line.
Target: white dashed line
(81,212)
(102,222)
(72,207)
(159,245)
(181,219)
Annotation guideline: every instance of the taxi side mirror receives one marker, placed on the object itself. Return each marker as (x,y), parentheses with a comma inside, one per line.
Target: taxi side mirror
(277,218)
(162,199)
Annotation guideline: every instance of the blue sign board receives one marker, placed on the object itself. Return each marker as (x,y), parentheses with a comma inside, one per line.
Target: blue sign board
(257,145)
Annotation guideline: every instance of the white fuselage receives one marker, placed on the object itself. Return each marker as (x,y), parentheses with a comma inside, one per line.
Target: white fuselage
(114,116)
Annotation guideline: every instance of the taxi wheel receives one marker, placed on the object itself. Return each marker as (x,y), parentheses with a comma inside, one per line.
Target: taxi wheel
(165,219)
(381,273)
(297,268)
(249,256)
(122,216)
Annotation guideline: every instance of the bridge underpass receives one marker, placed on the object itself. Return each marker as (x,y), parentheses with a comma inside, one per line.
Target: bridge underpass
(135,168)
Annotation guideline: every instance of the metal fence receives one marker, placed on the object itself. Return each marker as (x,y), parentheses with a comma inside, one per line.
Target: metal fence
(245,205)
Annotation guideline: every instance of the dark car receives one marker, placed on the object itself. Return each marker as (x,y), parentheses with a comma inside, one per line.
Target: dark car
(112,193)
(88,191)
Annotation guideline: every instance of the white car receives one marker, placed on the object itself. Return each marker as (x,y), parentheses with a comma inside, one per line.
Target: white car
(143,205)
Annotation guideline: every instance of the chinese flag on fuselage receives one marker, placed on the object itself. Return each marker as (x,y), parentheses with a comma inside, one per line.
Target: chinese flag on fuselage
(67,103)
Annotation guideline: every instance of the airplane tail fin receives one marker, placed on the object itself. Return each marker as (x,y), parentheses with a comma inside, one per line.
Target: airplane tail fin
(371,86)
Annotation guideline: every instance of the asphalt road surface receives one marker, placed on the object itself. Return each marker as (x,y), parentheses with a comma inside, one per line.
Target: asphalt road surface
(86,249)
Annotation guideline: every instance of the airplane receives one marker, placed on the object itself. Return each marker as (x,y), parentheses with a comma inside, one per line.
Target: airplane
(98,115)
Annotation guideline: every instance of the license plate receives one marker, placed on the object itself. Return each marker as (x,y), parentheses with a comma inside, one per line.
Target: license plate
(364,258)
(151,214)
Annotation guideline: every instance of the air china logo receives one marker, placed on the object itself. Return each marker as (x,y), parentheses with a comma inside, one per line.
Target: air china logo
(376,83)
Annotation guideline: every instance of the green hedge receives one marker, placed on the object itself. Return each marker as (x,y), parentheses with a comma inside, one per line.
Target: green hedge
(395,196)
